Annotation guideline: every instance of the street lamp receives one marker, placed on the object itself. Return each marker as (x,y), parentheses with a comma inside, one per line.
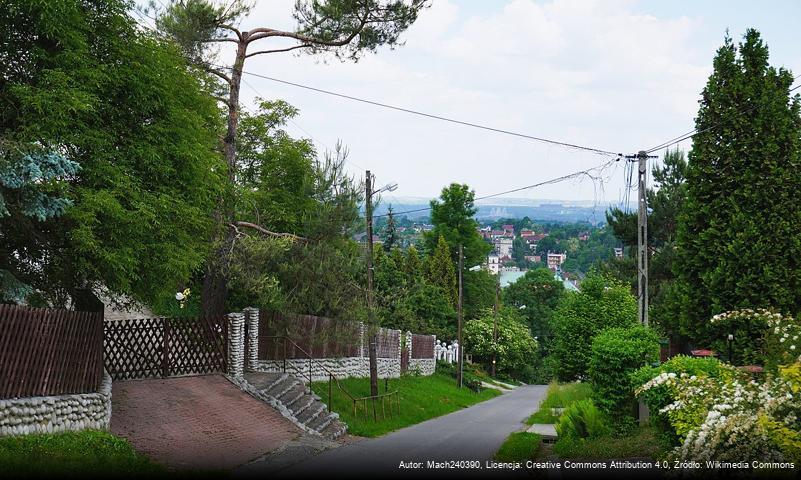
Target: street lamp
(730,340)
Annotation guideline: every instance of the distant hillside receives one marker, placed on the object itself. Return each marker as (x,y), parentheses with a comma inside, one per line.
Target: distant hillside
(493,209)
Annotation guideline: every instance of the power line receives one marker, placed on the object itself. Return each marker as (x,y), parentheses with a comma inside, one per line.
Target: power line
(298,125)
(563,178)
(695,131)
(430,115)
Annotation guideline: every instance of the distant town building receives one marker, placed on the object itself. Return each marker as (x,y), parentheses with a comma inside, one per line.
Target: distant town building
(493,264)
(618,252)
(533,258)
(555,260)
(509,230)
(584,237)
(503,246)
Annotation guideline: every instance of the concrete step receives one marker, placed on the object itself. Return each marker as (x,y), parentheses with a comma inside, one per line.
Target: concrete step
(300,405)
(278,390)
(322,421)
(295,393)
(306,409)
(311,413)
(334,430)
(264,380)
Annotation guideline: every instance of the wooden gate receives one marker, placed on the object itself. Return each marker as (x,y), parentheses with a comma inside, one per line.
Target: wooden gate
(165,347)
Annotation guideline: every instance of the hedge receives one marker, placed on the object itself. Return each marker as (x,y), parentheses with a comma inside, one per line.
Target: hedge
(616,354)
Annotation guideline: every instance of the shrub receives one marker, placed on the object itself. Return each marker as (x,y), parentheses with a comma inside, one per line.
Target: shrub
(616,354)
(732,418)
(582,419)
(660,396)
(602,302)
(758,337)
(514,349)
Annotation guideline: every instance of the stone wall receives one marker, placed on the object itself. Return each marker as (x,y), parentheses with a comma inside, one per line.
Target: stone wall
(51,414)
(341,367)
(422,366)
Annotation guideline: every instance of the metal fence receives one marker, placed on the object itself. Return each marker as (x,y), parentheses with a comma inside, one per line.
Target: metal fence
(49,352)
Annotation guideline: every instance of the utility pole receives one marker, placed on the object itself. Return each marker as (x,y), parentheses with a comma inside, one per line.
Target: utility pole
(459,372)
(642,236)
(371,349)
(495,323)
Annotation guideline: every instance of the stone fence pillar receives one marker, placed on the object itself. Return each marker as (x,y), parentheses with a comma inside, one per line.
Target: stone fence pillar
(252,323)
(236,344)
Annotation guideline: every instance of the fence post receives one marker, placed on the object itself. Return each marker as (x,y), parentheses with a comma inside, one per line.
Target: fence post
(252,355)
(236,344)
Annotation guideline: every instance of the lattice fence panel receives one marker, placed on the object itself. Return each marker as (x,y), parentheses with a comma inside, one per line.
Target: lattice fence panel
(163,347)
(196,346)
(135,348)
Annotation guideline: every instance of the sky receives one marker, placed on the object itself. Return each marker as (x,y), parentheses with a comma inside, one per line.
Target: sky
(618,75)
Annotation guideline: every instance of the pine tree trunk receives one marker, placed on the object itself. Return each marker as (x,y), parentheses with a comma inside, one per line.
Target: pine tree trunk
(215,288)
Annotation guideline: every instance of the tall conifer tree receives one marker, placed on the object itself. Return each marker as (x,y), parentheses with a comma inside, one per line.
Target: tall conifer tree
(738,239)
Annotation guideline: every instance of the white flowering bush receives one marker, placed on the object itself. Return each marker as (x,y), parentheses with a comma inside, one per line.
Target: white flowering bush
(732,417)
(760,337)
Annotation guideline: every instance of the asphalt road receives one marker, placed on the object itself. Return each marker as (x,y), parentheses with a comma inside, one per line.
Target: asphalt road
(471,434)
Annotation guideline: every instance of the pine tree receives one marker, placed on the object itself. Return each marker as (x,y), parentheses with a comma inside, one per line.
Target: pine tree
(737,242)
(441,271)
(412,265)
(390,232)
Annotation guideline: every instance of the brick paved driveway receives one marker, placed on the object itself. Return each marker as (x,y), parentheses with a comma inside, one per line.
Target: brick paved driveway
(196,422)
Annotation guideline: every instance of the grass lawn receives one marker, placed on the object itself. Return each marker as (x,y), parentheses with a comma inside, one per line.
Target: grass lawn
(421,398)
(559,396)
(520,446)
(73,454)
(642,443)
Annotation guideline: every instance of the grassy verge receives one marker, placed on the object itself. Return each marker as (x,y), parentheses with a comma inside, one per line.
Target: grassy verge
(520,446)
(421,398)
(559,396)
(72,454)
(642,443)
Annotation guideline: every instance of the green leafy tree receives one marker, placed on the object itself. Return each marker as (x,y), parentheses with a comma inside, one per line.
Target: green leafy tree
(601,303)
(343,28)
(539,293)
(80,79)
(479,292)
(514,349)
(738,229)
(320,271)
(452,216)
(441,272)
